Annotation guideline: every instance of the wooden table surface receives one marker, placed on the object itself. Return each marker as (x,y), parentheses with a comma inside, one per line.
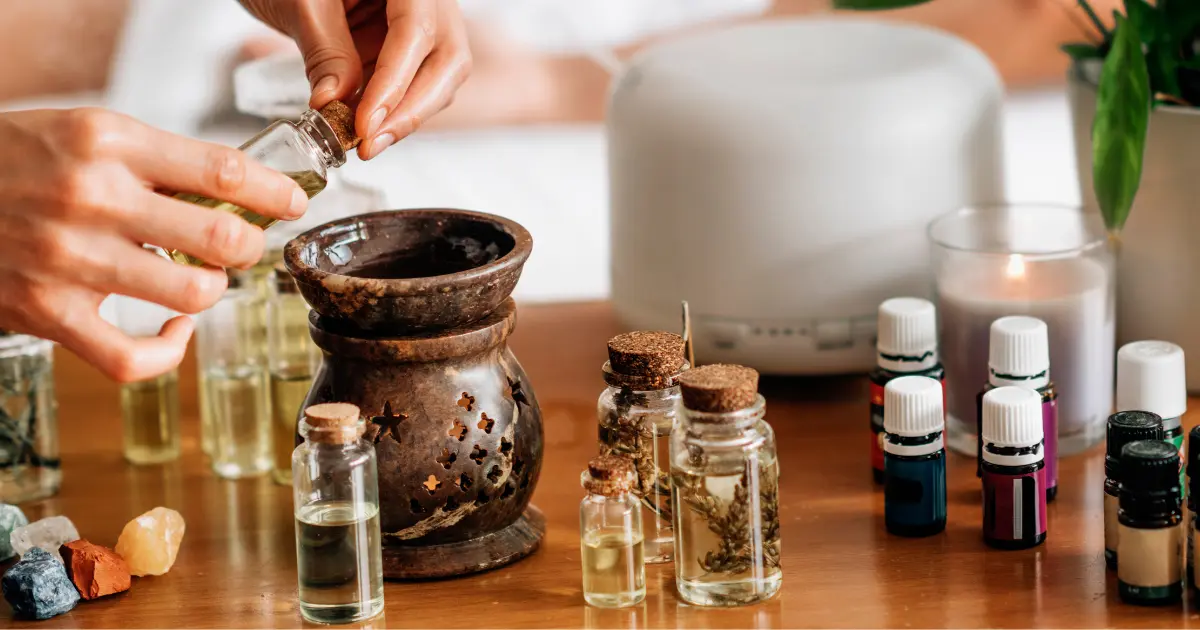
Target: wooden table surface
(237,564)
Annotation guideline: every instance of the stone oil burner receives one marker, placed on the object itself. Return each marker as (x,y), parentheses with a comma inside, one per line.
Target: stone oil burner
(411,310)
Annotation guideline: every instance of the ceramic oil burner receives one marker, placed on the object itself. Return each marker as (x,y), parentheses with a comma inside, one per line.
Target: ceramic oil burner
(411,310)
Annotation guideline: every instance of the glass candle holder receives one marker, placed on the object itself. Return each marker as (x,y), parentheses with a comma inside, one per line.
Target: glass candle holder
(1044,261)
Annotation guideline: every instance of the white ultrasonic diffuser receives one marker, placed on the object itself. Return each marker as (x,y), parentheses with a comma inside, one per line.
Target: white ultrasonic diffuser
(780,176)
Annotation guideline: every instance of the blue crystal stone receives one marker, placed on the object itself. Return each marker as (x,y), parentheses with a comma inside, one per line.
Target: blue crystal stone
(11,517)
(37,587)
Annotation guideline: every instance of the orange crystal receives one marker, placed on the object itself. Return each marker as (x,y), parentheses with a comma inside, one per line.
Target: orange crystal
(150,542)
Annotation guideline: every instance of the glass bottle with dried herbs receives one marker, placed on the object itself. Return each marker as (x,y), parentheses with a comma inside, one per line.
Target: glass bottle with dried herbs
(637,412)
(725,490)
(610,534)
(29,464)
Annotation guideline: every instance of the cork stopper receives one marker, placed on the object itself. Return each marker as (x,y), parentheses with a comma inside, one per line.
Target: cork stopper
(719,388)
(646,353)
(340,117)
(333,423)
(609,475)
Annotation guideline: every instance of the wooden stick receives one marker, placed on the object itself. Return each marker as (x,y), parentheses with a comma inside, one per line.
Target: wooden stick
(687,335)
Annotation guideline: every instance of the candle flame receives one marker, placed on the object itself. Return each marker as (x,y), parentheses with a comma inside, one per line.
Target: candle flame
(1016,267)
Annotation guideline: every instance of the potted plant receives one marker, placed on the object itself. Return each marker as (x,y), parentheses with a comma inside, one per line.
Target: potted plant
(1134,94)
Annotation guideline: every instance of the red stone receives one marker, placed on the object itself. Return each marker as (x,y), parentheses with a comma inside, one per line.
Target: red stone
(96,571)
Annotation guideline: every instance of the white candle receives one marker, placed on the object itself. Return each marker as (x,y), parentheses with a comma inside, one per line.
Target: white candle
(1072,295)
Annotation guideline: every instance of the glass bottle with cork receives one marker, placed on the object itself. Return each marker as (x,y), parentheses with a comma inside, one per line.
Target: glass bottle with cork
(724,490)
(336,494)
(304,150)
(914,457)
(906,346)
(1019,356)
(1150,518)
(610,530)
(292,360)
(636,414)
(1123,427)
(29,463)
(1151,377)
(1014,470)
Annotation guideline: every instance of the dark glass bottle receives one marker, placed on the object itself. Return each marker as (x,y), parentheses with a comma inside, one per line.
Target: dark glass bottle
(1150,519)
(914,457)
(1123,427)
(1193,476)
(907,346)
(1014,469)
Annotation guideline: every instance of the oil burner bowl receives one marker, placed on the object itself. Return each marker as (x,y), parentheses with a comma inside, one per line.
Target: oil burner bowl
(409,270)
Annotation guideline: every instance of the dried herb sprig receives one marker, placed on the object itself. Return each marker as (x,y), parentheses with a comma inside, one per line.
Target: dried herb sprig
(732,524)
(623,434)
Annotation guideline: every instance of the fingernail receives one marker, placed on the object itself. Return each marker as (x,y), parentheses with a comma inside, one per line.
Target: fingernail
(299,203)
(376,120)
(326,84)
(382,141)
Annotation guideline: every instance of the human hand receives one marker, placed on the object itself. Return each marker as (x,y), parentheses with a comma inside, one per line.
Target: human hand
(412,54)
(79,202)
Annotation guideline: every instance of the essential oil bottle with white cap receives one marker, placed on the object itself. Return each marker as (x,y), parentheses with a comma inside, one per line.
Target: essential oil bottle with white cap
(1019,356)
(906,346)
(1150,521)
(914,457)
(1014,470)
(1151,377)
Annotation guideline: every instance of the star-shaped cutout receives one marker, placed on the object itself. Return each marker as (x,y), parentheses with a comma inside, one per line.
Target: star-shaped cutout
(518,394)
(388,423)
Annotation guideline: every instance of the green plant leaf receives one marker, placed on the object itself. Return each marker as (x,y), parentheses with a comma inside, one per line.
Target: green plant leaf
(875,5)
(1081,51)
(1091,13)
(1119,131)
(1146,19)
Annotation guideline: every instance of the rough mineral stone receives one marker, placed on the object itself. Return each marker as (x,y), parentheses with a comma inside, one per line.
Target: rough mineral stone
(150,542)
(37,587)
(48,534)
(96,571)
(11,517)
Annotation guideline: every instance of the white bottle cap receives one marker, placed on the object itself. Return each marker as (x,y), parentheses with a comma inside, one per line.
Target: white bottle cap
(912,406)
(1150,377)
(1012,417)
(1019,352)
(907,340)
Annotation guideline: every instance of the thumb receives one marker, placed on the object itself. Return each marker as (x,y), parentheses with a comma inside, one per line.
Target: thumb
(330,59)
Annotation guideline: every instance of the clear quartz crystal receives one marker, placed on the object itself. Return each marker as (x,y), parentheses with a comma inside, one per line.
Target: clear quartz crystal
(48,534)
(637,424)
(29,465)
(725,490)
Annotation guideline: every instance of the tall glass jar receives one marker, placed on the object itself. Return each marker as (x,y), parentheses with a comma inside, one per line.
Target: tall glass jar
(230,351)
(725,486)
(336,497)
(29,464)
(610,534)
(304,150)
(636,415)
(292,360)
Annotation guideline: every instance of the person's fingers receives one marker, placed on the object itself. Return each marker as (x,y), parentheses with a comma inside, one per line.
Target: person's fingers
(217,237)
(211,170)
(411,36)
(431,91)
(121,357)
(330,58)
(126,269)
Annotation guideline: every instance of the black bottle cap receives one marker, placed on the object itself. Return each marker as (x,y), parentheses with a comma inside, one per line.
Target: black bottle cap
(1149,466)
(1193,461)
(1125,427)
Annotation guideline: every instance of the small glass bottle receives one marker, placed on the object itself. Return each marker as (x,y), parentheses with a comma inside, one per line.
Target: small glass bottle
(150,410)
(293,359)
(336,492)
(1149,545)
(1193,474)
(1014,470)
(610,530)
(1019,356)
(906,346)
(724,490)
(914,457)
(230,352)
(636,415)
(304,150)
(1123,427)
(29,464)
(1151,377)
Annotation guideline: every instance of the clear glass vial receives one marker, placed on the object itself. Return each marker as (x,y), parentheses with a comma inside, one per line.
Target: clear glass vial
(636,415)
(1123,427)
(29,464)
(230,351)
(336,493)
(725,490)
(292,360)
(150,411)
(304,150)
(610,532)
(1150,519)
